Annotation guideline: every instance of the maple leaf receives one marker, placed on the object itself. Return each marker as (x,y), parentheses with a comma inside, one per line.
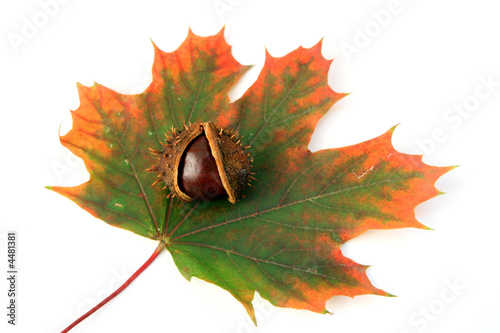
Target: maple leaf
(283,240)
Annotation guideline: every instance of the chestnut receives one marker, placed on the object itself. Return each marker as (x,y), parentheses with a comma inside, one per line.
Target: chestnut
(198,174)
(204,162)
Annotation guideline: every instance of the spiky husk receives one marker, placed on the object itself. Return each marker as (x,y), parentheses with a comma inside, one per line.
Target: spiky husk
(232,160)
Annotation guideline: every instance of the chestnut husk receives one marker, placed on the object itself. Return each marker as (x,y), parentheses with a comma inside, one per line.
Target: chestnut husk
(231,159)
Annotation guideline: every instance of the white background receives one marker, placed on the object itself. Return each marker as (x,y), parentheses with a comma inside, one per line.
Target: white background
(413,66)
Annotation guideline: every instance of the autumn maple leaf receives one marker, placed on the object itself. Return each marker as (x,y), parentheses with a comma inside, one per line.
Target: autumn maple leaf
(283,240)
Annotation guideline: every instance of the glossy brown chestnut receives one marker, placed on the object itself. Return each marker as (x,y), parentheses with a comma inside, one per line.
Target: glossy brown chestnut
(198,174)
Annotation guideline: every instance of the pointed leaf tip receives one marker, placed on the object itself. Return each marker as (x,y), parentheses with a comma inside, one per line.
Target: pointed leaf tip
(251,311)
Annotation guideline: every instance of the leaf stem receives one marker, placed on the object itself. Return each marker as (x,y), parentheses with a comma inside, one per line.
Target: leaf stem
(155,254)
